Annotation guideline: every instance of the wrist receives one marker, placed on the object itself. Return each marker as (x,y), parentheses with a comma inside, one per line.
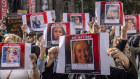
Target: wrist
(126,63)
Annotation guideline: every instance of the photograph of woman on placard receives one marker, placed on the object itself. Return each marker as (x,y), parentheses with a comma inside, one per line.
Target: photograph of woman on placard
(57,31)
(11,56)
(37,21)
(131,23)
(112,13)
(82,52)
(77,20)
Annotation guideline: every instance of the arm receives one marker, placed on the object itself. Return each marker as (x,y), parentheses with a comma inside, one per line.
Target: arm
(24,27)
(112,32)
(34,72)
(128,72)
(123,40)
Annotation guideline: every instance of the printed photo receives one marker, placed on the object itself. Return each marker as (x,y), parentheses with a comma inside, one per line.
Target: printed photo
(57,31)
(131,22)
(112,13)
(10,56)
(77,20)
(82,54)
(37,21)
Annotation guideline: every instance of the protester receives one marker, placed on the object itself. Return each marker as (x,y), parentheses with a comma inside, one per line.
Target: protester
(1,35)
(4,29)
(13,74)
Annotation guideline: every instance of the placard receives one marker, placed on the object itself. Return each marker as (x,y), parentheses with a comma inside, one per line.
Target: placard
(37,21)
(109,13)
(77,20)
(3,9)
(133,23)
(84,53)
(12,56)
(54,30)
(14,26)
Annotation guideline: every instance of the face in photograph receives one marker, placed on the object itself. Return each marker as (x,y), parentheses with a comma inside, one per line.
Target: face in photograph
(36,23)
(11,54)
(56,32)
(77,21)
(81,52)
(130,23)
(112,12)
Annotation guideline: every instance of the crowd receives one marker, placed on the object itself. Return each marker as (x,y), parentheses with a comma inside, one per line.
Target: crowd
(123,49)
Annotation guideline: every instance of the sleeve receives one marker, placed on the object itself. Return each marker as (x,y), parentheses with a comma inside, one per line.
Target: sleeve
(135,41)
(123,73)
(121,45)
(135,50)
(40,65)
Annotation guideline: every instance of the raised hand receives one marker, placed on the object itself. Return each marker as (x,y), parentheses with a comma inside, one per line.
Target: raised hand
(116,53)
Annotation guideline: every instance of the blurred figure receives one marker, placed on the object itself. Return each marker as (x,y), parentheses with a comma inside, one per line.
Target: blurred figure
(1,35)
(4,29)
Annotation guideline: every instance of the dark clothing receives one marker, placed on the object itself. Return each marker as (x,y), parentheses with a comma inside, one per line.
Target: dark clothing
(121,45)
(48,74)
(1,38)
(115,74)
(134,41)
(123,74)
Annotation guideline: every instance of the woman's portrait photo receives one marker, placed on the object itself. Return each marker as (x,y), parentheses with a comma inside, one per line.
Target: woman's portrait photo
(11,55)
(37,21)
(131,22)
(82,52)
(77,20)
(57,31)
(112,11)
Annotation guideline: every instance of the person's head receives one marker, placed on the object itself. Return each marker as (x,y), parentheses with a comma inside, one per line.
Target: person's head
(1,31)
(102,28)
(130,24)
(12,38)
(40,37)
(113,12)
(56,32)
(76,19)
(30,39)
(3,27)
(81,52)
